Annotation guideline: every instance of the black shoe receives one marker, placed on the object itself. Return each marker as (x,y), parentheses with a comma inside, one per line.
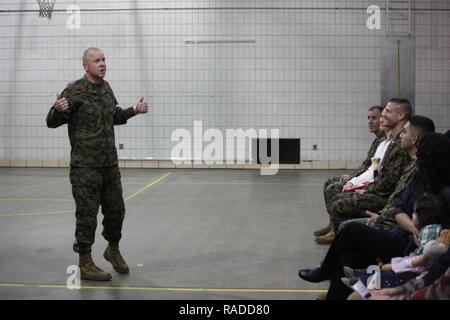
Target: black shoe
(311,275)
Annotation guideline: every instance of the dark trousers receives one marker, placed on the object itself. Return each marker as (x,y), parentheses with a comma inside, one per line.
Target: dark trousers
(358,246)
(92,187)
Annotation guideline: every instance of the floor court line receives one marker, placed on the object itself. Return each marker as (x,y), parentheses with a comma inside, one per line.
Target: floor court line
(248,183)
(161,289)
(40,199)
(148,186)
(151,184)
(35,213)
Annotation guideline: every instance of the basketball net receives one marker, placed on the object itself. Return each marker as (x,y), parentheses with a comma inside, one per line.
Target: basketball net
(46,8)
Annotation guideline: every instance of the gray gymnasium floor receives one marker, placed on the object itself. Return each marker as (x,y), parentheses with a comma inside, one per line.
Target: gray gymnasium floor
(188,234)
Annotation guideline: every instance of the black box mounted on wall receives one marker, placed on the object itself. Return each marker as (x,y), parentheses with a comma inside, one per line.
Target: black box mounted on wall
(289,150)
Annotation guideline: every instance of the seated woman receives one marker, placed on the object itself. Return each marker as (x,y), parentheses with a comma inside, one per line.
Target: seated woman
(359,246)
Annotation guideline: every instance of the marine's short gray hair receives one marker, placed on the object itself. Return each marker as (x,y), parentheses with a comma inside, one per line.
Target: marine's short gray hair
(86,52)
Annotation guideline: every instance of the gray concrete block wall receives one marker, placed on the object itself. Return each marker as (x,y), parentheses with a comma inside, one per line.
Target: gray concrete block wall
(312,73)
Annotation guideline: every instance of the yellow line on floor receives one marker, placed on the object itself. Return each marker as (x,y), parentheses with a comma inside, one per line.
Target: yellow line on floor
(121,288)
(269,290)
(49,286)
(151,184)
(13,285)
(35,213)
(47,200)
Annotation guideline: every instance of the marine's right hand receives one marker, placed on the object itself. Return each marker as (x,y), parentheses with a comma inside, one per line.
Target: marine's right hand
(61,105)
(372,216)
(347,186)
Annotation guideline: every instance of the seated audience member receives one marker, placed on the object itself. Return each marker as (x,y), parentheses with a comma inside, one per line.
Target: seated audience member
(359,246)
(429,216)
(347,205)
(433,285)
(417,264)
(334,185)
(414,129)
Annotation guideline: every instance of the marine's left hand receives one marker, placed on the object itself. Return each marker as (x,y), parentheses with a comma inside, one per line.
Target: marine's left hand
(142,106)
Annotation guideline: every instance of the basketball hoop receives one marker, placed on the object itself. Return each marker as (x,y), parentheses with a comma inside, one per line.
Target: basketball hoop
(46,8)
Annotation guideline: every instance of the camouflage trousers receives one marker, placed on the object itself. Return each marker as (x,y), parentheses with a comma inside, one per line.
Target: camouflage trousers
(331,188)
(379,224)
(351,205)
(92,187)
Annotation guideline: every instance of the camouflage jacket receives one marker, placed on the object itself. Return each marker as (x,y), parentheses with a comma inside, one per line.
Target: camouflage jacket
(91,117)
(368,162)
(394,162)
(387,214)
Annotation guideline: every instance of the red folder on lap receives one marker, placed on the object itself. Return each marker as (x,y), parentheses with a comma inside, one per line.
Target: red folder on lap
(363,186)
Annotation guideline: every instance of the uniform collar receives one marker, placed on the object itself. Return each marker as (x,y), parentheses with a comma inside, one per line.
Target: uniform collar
(92,87)
(381,134)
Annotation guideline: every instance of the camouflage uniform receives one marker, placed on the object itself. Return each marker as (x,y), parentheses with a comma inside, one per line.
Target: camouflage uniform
(386,219)
(94,172)
(333,186)
(349,205)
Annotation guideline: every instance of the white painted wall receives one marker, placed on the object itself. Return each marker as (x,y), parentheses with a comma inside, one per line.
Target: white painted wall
(311,72)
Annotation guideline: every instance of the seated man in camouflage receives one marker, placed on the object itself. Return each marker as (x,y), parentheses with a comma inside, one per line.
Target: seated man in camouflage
(415,129)
(348,205)
(334,185)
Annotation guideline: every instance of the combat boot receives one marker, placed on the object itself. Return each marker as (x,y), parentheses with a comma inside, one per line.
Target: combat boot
(323,231)
(326,239)
(112,254)
(89,271)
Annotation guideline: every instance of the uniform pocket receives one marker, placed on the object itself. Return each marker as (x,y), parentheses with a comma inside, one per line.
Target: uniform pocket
(84,177)
(89,115)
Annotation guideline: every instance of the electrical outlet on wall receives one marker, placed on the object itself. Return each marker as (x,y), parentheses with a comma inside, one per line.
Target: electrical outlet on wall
(121,146)
(315,147)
